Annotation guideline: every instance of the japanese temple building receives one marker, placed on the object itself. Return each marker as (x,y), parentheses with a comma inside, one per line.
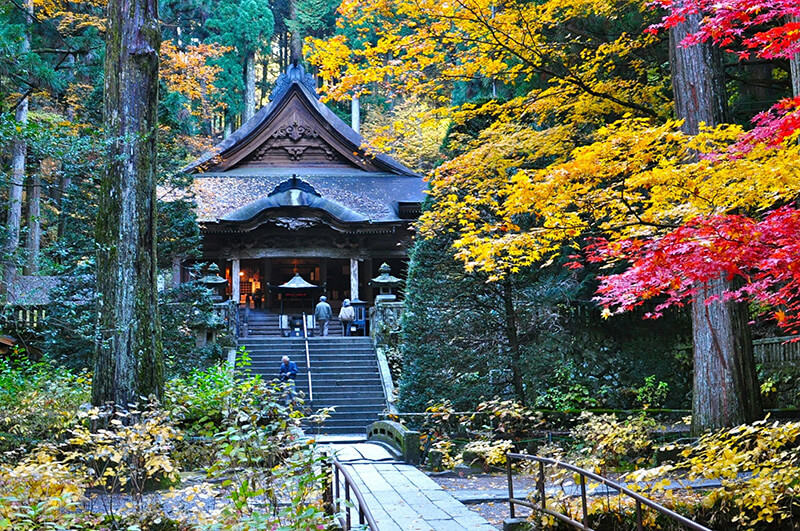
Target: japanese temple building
(294,192)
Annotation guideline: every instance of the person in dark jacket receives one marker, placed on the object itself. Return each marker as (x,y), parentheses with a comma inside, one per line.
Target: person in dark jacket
(323,315)
(288,373)
(288,369)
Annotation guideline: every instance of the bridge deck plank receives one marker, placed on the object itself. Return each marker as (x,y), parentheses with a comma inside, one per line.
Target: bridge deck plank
(401,497)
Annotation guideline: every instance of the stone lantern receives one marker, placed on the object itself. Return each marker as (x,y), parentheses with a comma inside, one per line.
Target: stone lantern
(213,281)
(385,282)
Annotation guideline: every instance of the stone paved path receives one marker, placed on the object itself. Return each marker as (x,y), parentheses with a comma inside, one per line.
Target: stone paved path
(402,498)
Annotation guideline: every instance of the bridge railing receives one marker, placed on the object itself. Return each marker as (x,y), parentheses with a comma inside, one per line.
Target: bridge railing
(541,506)
(405,441)
(344,506)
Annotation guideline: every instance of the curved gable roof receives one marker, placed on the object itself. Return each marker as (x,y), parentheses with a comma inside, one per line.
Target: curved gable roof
(296,130)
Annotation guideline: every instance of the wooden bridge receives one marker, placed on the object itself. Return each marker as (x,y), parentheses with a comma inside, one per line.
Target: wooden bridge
(399,496)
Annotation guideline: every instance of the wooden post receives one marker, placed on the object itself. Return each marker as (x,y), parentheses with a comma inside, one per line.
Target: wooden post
(176,272)
(353,278)
(235,277)
(355,114)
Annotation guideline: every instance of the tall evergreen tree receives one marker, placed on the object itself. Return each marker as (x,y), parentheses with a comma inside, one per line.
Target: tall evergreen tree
(247,27)
(129,359)
(726,390)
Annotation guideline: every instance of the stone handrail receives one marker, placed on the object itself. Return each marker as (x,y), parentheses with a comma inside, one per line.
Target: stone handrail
(405,441)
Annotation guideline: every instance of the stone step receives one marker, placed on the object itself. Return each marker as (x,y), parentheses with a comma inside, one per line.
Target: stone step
(342,360)
(312,350)
(344,371)
(373,402)
(343,365)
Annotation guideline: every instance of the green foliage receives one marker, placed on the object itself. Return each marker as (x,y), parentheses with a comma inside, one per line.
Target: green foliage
(455,342)
(185,310)
(780,387)
(314,17)
(212,402)
(202,397)
(610,443)
(652,394)
(38,401)
(246,26)
(178,232)
(566,390)
(69,330)
(506,419)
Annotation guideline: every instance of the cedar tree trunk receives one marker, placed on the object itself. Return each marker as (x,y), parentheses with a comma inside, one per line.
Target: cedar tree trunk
(296,40)
(129,361)
(726,390)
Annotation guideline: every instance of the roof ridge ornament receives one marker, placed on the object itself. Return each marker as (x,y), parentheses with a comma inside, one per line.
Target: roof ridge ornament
(294,184)
(294,74)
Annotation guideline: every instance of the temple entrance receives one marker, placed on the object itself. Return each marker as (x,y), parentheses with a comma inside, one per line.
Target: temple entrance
(330,274)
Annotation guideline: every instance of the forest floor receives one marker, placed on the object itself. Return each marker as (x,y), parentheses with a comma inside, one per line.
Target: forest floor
(486,494)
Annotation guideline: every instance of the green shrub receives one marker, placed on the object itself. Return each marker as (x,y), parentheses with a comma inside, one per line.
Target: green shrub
(39,400)
(609,443)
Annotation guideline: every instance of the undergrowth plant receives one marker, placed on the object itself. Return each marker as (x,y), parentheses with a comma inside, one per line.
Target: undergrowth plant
(38,401)
(606,442)
(119,449)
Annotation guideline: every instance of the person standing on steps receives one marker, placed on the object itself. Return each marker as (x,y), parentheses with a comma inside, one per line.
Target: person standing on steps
(346,315)
(323,314)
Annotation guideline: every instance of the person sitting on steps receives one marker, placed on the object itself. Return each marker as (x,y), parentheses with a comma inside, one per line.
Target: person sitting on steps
(288,373)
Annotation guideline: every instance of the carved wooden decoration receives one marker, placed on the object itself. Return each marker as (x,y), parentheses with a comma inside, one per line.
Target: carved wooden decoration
(295,136)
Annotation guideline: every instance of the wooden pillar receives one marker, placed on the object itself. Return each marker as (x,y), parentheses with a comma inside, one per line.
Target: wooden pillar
(235,277)
(176,272)
(323,271)
(353,278)
(368,292)
(355,114)
(266,278)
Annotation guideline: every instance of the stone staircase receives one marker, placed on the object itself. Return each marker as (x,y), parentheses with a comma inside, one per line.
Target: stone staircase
(344,374)
(263,323)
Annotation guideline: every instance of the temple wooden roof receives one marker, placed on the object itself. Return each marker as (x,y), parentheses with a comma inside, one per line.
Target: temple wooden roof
(298,143)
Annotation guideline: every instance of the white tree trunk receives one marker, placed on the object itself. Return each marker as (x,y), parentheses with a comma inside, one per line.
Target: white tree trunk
(355,114)
(249,87)
(34,241)
(19,149)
